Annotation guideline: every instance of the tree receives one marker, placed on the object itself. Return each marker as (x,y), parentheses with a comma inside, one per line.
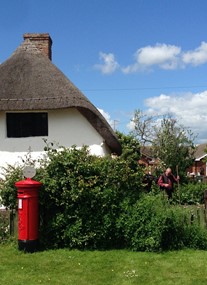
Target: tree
(171,142)
(144,127)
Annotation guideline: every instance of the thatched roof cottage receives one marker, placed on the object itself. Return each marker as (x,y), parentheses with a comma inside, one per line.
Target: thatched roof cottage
(37,101)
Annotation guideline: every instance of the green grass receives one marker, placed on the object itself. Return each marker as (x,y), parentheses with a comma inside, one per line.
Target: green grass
(116,267)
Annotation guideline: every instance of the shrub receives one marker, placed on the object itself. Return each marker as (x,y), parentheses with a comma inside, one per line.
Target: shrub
(139,227)
(8,190)
(148,224)
(195,237)
(190,193)
(152,224)
(81,197)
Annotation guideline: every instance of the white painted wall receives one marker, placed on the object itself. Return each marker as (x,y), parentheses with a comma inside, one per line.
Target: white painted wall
(66,127)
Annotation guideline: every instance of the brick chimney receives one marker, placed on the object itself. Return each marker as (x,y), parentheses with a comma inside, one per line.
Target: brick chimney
(42,41)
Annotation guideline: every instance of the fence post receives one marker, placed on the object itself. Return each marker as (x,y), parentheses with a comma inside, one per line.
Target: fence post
(11,222)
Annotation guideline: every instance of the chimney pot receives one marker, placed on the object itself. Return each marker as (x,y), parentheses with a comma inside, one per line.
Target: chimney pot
(42,41)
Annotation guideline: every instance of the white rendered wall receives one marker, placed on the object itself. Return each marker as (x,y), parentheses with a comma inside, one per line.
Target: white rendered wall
(66,127)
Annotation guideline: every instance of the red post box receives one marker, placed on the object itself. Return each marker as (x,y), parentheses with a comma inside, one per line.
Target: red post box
(28,214)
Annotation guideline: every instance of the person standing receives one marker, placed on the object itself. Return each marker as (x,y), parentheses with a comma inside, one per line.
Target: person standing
(148,179)
(166,182)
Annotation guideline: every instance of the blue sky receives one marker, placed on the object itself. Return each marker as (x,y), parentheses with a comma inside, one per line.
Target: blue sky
(123,54)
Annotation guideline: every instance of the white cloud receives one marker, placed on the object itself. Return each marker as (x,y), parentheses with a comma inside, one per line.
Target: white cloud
(163,56)
(109,64)
(196,57)
(106,116)
(131,125)
(189,109)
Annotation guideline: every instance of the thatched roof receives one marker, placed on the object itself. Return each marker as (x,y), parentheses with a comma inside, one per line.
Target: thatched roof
(30,81)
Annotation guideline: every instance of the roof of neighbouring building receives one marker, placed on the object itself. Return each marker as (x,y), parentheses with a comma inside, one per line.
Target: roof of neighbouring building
(200,151)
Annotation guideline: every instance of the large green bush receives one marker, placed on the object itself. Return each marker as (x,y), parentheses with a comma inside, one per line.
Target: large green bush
(81,197)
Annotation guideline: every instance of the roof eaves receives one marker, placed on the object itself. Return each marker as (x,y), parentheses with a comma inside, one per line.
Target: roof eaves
(199,158)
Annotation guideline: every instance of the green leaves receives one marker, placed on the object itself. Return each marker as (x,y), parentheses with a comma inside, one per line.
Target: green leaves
(152,224)
(8,191)
(89,191)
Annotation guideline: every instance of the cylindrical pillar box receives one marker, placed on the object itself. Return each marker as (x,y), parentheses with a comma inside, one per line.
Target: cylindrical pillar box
(28,214)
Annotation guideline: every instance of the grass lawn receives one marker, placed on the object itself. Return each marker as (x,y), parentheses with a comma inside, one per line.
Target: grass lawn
(116,267)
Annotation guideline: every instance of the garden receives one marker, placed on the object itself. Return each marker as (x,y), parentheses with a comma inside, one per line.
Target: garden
(92,203)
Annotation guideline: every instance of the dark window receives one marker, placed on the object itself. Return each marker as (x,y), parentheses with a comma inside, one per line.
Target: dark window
(26,124)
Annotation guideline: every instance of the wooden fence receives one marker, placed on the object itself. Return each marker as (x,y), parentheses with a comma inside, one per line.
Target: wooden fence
(197,214)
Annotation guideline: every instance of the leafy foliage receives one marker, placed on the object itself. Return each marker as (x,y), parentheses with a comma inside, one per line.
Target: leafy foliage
(130,148)
(190,193)
(153,225)
(81,198)
(7,186)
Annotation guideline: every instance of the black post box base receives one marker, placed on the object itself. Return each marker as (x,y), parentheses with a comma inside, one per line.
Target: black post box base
(28,245)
